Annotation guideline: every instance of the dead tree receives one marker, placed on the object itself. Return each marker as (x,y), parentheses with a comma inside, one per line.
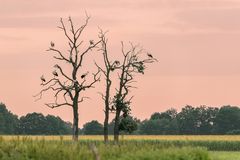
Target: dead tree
(132,64)
(68,87)
(108,68)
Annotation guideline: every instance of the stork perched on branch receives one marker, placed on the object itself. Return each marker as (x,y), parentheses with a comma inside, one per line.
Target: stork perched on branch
(52,44)
(84,75)
(56,66)
(91,42)
(117,63)
(43,79)
(55,73)
(149,55)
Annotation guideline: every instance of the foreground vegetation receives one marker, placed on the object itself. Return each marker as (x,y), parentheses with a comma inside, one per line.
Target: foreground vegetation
(26,148)
(129,148)
(190,121)
(225,155)
(219,138)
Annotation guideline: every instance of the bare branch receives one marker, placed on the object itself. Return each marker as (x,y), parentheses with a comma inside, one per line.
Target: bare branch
(96,78)
(65,31)
(61,71)
(54,105)
(60,54)
(86,51)
(102,95)
(82,99)
(104,72)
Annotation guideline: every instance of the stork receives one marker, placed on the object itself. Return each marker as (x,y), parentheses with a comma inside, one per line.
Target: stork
(117,63)
(149,55)
(52,44)
(55,73)
(43,79)
(91,42)
(56,66)
(84,75)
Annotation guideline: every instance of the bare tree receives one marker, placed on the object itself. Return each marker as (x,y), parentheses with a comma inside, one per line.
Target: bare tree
(108,68)
(132,64)
(68,87)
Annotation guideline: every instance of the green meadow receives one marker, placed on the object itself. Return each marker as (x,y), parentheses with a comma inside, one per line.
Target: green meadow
(129,148)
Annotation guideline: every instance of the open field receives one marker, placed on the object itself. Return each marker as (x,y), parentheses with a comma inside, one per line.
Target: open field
(130,148)
(139,137)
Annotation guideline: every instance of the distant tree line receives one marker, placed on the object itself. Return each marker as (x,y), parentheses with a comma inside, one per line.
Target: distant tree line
(32,124)
(190,120)
(202,120)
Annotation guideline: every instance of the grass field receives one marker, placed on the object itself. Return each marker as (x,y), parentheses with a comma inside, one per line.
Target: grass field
(139,137)
(129,148)
(216,155)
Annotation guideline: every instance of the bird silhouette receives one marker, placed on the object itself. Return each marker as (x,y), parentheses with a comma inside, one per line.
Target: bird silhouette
(91,42)
(52,44)
(117,63)
(56,66)
(149,55)
(84,75)
(43,79)
(55,73)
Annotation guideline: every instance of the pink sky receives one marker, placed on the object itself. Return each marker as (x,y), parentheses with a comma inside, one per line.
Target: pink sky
(196,41)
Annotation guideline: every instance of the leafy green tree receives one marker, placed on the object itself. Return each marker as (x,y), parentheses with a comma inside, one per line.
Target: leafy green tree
(128,124)
(161,123)
(93,128)
(8,121)
(38,124)
(170,114)
(33,124)
(155,127)
(197,120)
(55,125)
(205,119)
(155,116)
(173,128)
(227,119)
(187,120)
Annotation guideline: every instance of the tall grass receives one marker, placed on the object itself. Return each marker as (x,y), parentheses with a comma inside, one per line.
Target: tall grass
(129,148)
(29,149)
(213,143)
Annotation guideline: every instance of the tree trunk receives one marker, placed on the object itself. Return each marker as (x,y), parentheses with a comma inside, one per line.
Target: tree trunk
(75,121)
(107,97)
(116,126)
(105,129)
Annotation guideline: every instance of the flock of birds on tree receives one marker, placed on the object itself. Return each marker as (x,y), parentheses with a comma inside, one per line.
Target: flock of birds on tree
(55,74)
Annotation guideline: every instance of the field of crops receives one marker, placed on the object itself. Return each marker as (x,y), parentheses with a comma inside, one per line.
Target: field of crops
(129,148)
(139,137)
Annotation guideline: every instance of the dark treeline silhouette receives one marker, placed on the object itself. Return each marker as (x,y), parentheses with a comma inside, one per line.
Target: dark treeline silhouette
(190,120)
(32,124)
